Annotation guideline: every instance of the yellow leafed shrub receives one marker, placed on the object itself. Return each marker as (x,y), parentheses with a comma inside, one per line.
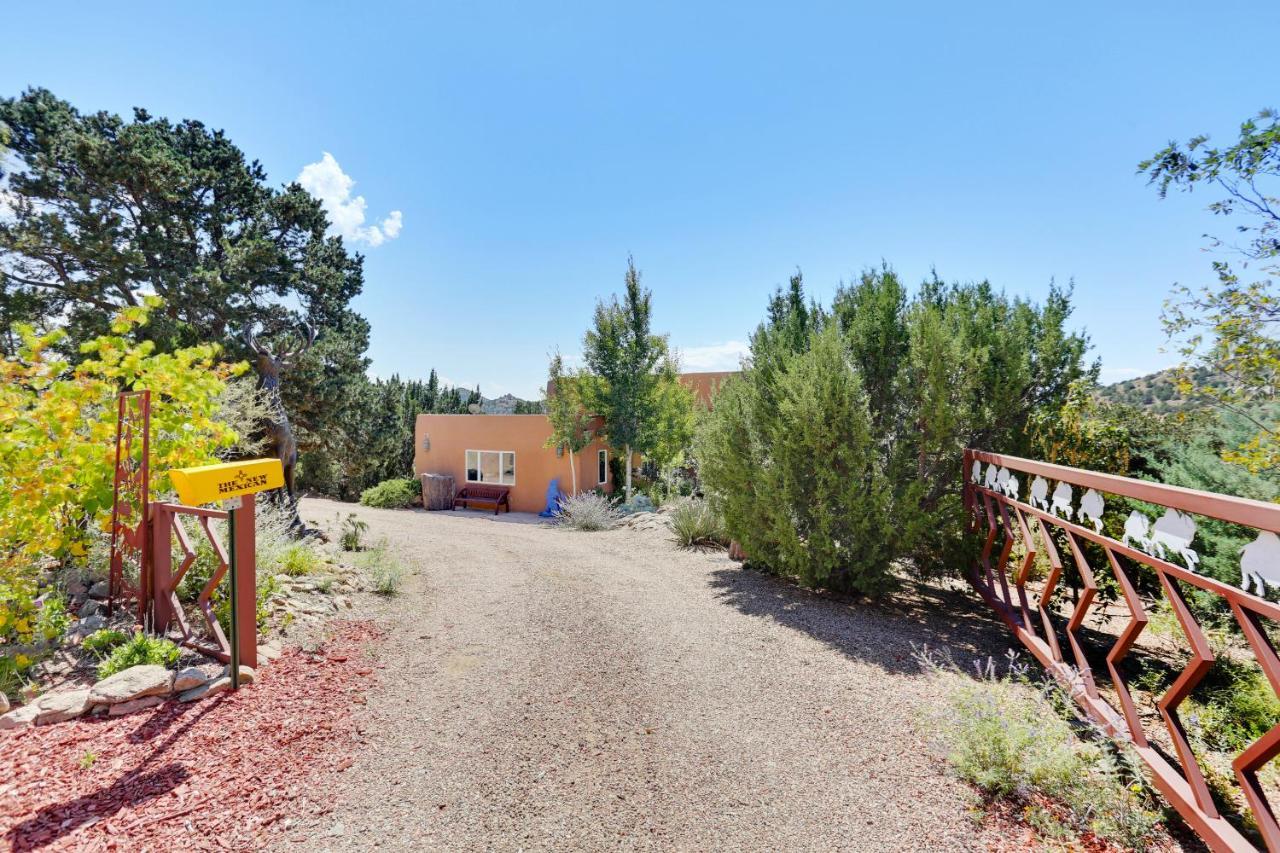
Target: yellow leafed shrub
(57,444)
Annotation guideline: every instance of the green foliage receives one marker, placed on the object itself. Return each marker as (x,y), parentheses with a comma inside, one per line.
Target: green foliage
(268,586)
(1226,329)
(298,560)
(57,428)
(385,572)
(353,530)
(696,523)
(588,511)
(139,649)
(391,494)
(570,421)
(631,380)
(1010,740)
(103,641)
(838,450)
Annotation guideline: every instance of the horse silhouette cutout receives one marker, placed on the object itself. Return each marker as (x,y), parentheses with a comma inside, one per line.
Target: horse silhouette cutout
(992,479)
(1260,563)
(1040,493)
(1091,506)
(1174,532)
(976,476)
(1137,531)
(1061,505)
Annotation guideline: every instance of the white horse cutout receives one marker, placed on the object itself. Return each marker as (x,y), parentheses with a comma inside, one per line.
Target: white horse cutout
(1011,485)
(1137,531)
(1062,496)
(1091,506)
(1260,563)
(1174,532)
(976,476)
(992,479)
(1040,493)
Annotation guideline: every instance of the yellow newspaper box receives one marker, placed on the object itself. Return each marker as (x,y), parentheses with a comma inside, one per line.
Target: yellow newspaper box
(212,483)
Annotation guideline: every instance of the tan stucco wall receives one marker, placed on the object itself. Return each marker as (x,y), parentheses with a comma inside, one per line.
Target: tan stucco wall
(453,435)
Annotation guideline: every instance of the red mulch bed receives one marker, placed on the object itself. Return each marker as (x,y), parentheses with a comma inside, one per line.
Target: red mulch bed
(215,774)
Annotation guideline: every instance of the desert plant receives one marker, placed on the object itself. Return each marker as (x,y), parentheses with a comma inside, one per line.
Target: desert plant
(297,560)
(353,530)
(696,523)
(1020,740)
(392,494)
(587,511)
(383,569)
(639,503)
(103,641)
(138,650)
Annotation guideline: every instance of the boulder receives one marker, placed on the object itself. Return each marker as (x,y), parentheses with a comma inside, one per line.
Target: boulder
(188,678)
(19,717)
(132,683)
(135,705)
(60,707)
(4,703)
(88,626)
(209,688)
(269,651)
(247,674)
(89,608)
(101,590)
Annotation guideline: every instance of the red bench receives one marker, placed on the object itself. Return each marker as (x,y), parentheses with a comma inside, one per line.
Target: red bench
(485,495)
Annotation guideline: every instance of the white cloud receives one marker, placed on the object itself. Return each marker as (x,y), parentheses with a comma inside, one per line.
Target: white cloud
(325,180)
(712,357)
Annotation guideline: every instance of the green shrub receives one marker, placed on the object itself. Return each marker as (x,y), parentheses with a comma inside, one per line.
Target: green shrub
(392,494)
(696,523)
(1010,739)
(588,511)
(384,570)
(353,531)
(297,560)
(138,650)
(640,502)
(102,641)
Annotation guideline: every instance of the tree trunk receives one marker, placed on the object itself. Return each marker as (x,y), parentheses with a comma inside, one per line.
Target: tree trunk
(573,471)
(626,461)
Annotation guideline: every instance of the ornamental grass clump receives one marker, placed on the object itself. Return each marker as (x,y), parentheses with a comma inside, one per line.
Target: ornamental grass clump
(695,524)
(588,511)
(1023,742)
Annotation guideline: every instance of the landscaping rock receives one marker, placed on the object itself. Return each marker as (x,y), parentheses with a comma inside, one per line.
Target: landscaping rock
(135,705)
(4,703)
(247,674)
(209,688)
(269,651)
(101,590)
(60,707)
(188,678)
(93,623)
(90,608)
(133,683)
(19,717)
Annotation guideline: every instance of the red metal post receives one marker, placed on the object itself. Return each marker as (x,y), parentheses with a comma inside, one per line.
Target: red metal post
(161,518)
(246,582)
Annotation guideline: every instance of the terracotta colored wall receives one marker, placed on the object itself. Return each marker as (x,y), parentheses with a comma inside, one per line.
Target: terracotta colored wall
(453,435)
(706,384)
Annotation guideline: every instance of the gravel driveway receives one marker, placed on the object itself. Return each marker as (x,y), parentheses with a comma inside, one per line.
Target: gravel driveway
(552,690)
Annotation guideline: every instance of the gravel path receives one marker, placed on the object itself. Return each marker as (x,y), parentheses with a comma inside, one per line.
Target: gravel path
(547,689)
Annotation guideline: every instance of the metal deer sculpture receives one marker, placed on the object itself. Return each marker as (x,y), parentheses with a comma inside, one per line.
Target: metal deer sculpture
(278,433)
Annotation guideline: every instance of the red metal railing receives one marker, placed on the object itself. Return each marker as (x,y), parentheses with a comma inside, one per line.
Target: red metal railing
(130,493)
(994,490)
(166,527)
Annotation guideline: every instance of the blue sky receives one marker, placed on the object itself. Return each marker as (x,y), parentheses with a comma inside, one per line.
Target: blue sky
(510,157)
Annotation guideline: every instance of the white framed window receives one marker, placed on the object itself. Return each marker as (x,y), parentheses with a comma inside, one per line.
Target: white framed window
(491,466)
(602,462)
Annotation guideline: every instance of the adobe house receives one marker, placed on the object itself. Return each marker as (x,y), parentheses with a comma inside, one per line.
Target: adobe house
(509,450)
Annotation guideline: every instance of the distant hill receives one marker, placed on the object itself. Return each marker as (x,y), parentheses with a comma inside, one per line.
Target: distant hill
(504,405)
(1156,391)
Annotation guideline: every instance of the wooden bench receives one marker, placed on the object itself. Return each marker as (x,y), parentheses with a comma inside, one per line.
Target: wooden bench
(485,495)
